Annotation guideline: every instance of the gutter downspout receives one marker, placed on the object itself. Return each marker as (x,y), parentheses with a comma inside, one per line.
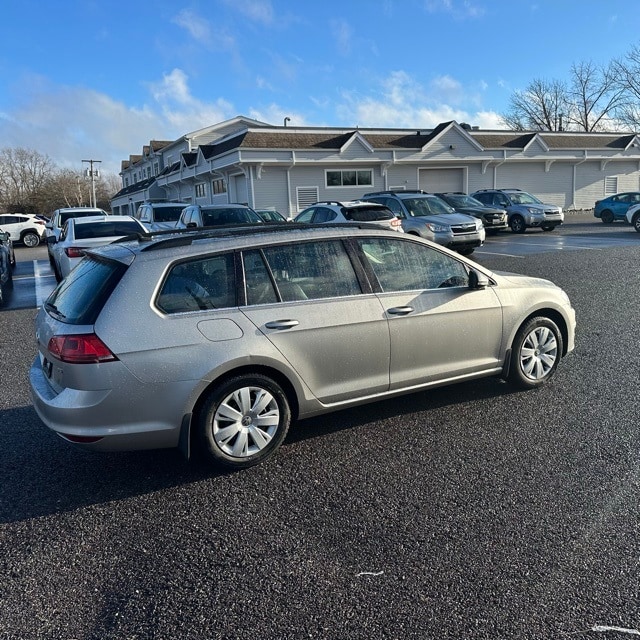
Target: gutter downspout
(289,194)
(495,168)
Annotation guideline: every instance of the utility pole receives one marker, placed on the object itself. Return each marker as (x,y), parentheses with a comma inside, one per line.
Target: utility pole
(93,175)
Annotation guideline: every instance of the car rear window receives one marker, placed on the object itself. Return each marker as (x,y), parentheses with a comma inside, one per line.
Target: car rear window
(106,229)
(79,298)
(167,214)
(65,215)
(368,214)
(213,217)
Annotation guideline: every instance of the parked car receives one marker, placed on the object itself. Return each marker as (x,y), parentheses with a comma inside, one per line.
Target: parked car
(425,215)
(523,209)
(60,216)
(232,334)
(80,234)
(633,216)
(7,262)
(271,215)
(615,207)
(159,216)
(493,219)
(213,215)
(23,228)
(347,212)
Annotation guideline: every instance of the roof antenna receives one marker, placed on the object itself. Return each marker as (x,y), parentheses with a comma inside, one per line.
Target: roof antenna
(287,119)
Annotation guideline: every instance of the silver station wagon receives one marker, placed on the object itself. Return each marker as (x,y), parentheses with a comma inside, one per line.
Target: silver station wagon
(215,341)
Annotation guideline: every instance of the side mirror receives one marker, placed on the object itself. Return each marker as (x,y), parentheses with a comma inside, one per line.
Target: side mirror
(477,280)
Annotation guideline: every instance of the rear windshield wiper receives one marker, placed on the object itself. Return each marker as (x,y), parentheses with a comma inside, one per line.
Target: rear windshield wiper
(51,308)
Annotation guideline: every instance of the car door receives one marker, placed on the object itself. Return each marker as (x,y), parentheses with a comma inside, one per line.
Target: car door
(307,300)
(439,327)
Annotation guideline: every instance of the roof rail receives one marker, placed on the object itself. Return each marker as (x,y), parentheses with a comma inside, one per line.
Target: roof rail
(184,237)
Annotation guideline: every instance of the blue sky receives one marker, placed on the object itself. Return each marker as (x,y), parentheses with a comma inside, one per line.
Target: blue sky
(100,79)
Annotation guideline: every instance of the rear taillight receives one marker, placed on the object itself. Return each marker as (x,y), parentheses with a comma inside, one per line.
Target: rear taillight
(74,252)
(39,222)
(84,348)
(396,223)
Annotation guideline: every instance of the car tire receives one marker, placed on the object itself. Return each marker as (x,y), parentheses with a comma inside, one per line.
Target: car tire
(517,224)
(2,294)
(227,423)
(548,227)
(636,222)
(606,216)
(466,251)
(30,239)
(535,353)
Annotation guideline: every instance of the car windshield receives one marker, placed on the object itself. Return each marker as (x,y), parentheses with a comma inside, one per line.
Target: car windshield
(523,197)
(426,206)
(462,200)
(235,215)
(167,214)
(106,229)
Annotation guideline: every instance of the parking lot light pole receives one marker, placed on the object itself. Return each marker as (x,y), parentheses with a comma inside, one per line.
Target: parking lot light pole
(93,175)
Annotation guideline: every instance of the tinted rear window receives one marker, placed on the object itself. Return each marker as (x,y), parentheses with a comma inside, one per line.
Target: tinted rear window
(368,214)
(213,217)
(65,215)
(106,229)
(79,298)
(167,214)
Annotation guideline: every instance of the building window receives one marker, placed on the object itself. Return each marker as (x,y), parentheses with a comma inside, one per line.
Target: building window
(218,186)
(156,168)
(200,190)
(349,178)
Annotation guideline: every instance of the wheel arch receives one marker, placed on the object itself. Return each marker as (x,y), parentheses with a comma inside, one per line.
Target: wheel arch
(552,314)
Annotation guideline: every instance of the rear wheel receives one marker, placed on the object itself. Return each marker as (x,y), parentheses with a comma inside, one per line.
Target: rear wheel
(636,223)
(30,239)
(607,216)
(243,421)
(517,224)
(535,353)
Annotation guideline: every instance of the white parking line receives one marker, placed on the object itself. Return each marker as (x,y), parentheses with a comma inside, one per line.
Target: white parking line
(41,292)
(495,253)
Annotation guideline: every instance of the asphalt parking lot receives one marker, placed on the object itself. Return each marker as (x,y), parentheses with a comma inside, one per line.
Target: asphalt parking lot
(473,511)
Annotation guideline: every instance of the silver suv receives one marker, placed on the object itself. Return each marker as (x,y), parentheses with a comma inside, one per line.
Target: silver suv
(215,341)
(523,209)
(213,215)
(350,212)
(425,215)
(159,216)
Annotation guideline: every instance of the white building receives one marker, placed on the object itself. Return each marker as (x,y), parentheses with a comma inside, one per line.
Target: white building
(289,168)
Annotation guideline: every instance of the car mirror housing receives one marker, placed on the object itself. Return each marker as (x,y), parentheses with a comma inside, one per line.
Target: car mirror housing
(477,280)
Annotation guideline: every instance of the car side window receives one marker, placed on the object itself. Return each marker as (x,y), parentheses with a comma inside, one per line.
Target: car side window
(259,286)
(312,270)
(406,266)
(323,214)
(306,215)
(202,284)
(395,206)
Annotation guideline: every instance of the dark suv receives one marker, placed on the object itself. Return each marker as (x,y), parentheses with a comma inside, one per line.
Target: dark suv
(425,215)
(494,219)
(523,209)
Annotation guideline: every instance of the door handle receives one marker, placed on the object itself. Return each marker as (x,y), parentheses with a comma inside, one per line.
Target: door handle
(282,324)
(400,311)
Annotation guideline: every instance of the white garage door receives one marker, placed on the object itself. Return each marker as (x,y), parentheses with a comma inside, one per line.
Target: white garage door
(441,180)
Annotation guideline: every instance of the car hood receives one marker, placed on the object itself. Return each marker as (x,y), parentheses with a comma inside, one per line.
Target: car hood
(479,210)
(524,281)
(447,218)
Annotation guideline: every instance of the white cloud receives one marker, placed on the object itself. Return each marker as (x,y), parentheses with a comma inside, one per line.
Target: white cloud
(196,25)
(256,10)
(405,103)
(275,114)
(343,35)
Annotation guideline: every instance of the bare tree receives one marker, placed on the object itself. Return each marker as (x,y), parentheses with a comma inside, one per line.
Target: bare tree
(540,107)
(23,173)
(627,74)
(595,96)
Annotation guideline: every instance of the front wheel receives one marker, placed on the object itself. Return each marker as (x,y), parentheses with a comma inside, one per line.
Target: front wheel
(536,351)
(548,227)
(636,223)
(465,251)
(243,421)
(31,239)
(517,224)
